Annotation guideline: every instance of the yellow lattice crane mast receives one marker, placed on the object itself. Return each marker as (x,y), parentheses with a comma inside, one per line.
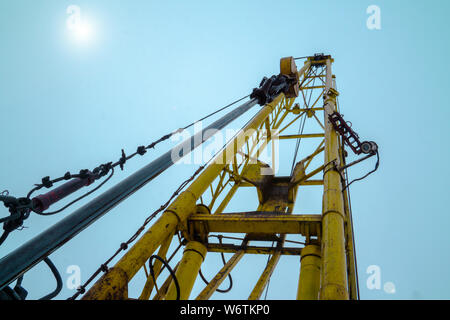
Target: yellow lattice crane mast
(327,267)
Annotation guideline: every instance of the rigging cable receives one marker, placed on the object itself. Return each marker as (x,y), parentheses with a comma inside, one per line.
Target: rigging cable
(353,236)
(345,180)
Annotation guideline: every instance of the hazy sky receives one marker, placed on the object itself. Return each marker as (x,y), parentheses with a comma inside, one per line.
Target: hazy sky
(149,67)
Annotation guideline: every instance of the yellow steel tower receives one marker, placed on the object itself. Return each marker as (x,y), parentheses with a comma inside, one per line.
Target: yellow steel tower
(327,267)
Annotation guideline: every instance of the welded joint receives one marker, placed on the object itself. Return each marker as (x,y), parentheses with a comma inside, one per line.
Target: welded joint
(196,251)
(335,212)
(334,167)
(312,249)
(174,209)
(330,96)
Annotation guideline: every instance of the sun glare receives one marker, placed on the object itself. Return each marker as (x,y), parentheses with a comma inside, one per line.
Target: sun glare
(80,29)
(82,32)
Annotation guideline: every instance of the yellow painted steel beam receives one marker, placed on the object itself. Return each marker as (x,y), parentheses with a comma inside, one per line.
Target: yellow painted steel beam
(320,123)
(308,80)
(193,256)
(291,122)
(234,173)
(306,135)
(208,291)
(309,280)
(230,248)
(310,109)
(265,276)
(216,193)
(282,109)
(304,70)
(334,285)
(257,223)
(312,87)
(319,149)
(311,174)
(311,183)
(319,76)
(280,121)
(228,198)
(323,61)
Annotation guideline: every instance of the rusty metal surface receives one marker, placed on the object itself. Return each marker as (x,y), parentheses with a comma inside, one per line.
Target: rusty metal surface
(231,248)
(350,137)
(266,223)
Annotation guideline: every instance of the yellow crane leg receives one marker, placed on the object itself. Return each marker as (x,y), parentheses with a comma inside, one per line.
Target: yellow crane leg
(193,256)
(309,280)
(113,284)
(334,266)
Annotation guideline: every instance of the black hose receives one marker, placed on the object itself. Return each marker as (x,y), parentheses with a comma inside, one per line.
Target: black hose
(377,164)
(59,282)
(172,273)
(3,237)
(11,293)
(229,275)
(15,293)
(218,290)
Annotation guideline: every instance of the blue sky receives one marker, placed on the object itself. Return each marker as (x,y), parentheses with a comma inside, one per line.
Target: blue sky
(154,66)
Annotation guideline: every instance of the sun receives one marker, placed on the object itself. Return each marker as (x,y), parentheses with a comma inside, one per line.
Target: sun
(83,32)
(80,29)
